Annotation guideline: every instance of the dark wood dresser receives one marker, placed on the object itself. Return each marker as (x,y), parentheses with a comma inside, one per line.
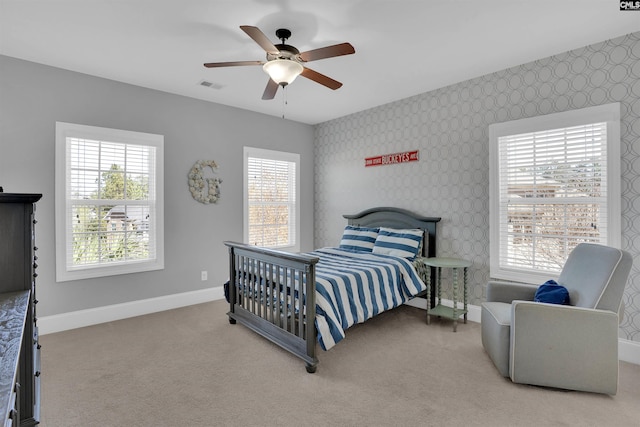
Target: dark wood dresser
(20,367)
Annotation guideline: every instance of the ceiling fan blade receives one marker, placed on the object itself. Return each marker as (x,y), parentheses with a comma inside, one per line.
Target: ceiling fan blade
(259,37)
(321,78)
(327,52)
(270,90)
(231,64)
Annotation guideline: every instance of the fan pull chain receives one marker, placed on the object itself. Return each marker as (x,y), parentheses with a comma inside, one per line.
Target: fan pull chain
(284,99)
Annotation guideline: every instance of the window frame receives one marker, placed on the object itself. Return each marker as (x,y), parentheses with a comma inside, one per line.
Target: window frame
(609,113)
(63,223)
(276,156)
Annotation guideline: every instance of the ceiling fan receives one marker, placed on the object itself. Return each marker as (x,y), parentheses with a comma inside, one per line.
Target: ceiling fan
(285,62)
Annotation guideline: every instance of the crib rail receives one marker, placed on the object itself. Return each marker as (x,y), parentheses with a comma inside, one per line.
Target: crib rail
(273,293)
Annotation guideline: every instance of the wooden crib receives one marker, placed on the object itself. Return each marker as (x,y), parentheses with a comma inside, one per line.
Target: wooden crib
(274,293)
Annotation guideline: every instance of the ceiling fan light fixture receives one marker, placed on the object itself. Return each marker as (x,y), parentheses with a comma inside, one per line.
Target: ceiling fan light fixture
(283,71)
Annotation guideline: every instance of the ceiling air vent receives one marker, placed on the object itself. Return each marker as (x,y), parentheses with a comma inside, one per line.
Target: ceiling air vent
(210,85)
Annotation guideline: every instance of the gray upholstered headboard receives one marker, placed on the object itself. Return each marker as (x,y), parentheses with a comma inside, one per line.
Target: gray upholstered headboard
(399,218)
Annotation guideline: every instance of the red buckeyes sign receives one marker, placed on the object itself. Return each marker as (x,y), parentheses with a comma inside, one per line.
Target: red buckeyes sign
(390,159)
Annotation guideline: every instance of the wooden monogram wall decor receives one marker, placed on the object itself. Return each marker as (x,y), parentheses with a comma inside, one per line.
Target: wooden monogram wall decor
(204,190)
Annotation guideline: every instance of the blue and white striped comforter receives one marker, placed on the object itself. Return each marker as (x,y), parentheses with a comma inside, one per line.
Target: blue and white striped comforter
(352,287)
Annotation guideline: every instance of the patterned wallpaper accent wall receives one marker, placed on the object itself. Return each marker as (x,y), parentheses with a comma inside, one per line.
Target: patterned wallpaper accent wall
(450,128)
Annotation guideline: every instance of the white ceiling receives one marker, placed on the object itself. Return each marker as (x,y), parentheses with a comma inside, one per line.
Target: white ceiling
(403,48)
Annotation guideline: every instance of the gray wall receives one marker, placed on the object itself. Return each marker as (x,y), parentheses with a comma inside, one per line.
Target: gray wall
(450,128)
(33,97)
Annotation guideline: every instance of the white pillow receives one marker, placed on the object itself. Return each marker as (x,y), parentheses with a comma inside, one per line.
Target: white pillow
(358,238)
(403,243)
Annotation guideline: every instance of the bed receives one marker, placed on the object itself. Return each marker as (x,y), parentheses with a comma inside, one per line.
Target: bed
(298,300)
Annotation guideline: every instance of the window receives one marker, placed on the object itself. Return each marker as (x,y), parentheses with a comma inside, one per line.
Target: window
(109,202)
(271,199)
(554,183)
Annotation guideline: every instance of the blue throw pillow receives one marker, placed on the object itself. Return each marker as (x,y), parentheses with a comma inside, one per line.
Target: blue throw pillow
(359,238)
(553,293)
(403,243)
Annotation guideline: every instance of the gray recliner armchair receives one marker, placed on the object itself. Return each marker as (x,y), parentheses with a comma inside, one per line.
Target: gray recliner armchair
(571,347)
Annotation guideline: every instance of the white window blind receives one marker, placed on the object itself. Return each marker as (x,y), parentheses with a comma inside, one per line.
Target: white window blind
(271,208)
(108,202)
(553,191)
(552,195)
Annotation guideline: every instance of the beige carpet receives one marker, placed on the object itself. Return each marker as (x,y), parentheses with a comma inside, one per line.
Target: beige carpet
(190,367)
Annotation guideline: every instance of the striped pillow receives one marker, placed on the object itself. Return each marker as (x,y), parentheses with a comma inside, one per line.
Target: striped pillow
(403,243)
(358,238)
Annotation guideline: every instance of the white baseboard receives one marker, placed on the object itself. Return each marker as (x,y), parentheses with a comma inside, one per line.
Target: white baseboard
(628,351)
(109,313)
